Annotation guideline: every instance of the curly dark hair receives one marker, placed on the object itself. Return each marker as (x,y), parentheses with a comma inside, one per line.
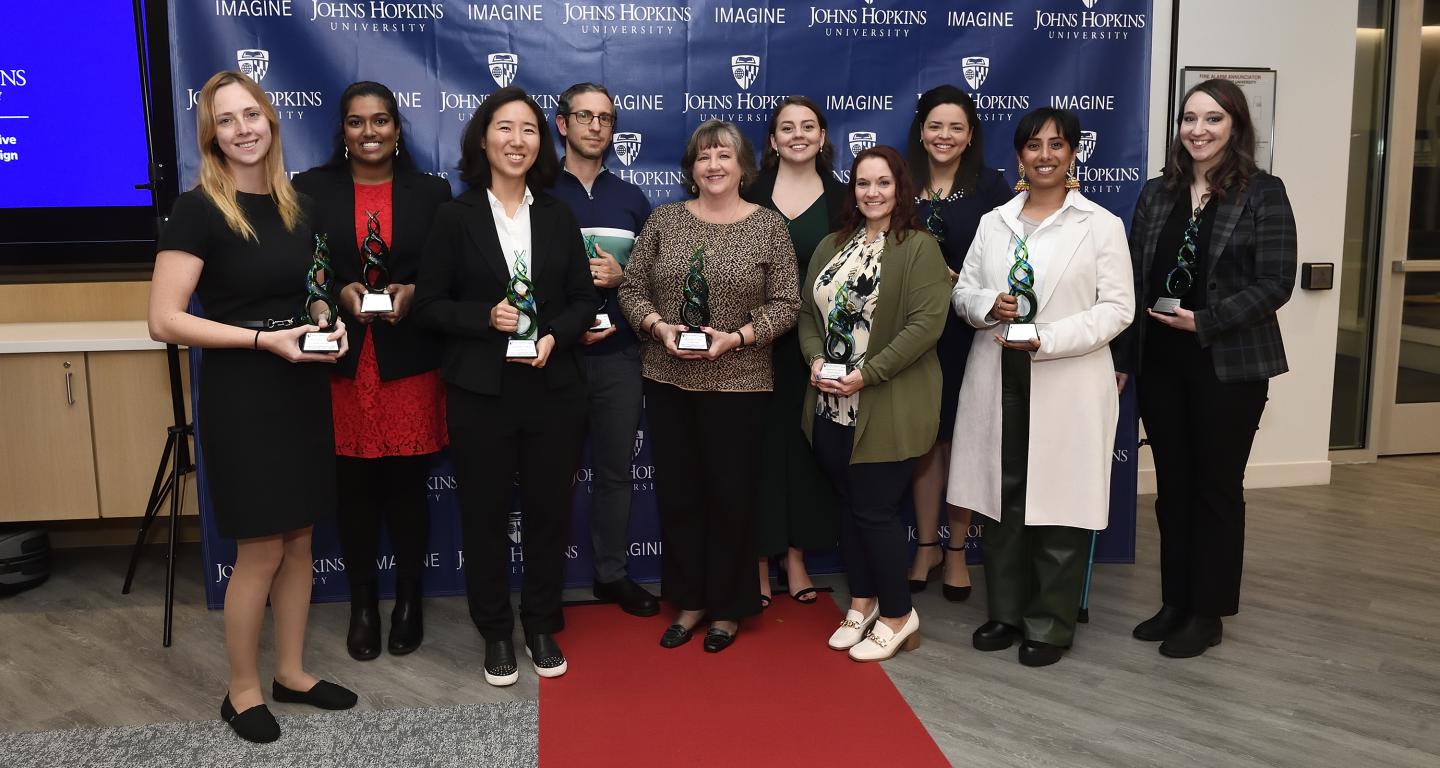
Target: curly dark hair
(902,219)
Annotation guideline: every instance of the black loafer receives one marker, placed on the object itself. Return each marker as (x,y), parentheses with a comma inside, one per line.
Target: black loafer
(1198,635)
(717,640)
(254,724)
(675,636)
(407,621)
(994,636)
(1034,653)
(324,695)
(631,597)
(545,655)
(1159,626)
(500,667)
(363,638)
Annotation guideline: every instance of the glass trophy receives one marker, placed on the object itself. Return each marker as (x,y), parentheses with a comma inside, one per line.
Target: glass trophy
(1021,281)
(602,317)
(376,274)
(317,291)
(1182,278)
(695,310)
(839,348)
(520,293)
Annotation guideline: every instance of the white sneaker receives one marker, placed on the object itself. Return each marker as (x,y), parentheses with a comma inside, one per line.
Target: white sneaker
(882,643)
(852,630)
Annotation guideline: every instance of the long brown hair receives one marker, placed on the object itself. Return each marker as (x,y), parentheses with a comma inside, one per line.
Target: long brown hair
(1235,168)
(215,179)
(902,218)
(824,159)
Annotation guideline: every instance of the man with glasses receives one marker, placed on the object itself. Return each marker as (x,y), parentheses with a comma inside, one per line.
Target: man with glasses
(611,212)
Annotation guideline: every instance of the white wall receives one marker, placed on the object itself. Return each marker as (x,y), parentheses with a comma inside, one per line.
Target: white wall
(1311,45)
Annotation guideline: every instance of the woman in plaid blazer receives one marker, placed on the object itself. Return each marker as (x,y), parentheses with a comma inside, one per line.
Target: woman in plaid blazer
(1213,248)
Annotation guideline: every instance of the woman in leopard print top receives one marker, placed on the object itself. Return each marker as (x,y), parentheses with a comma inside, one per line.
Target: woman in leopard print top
(704,407)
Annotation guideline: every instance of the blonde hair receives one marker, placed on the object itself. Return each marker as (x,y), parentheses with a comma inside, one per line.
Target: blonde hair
(216,180)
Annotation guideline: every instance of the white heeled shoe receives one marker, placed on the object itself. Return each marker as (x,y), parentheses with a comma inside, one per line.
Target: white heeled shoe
(853,628)
(882,642)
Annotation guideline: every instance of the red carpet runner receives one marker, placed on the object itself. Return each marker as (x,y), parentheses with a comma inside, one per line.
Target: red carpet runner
(778,696)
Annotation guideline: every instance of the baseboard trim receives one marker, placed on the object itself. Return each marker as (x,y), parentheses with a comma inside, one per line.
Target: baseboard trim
(1280,475)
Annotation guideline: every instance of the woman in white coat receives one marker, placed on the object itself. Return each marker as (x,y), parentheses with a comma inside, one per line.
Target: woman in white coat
(1047,282)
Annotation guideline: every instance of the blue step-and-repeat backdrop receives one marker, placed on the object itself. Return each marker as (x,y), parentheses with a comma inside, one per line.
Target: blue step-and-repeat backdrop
(672,65)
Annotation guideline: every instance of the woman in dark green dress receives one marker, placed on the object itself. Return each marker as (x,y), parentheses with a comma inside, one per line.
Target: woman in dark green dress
(797,503)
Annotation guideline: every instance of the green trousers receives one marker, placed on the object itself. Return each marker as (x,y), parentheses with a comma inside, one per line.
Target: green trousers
(1034,574)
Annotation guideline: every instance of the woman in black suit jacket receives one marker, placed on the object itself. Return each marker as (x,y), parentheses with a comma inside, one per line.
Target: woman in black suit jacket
(388,399)
(797,502)
(509,414)
(1217,234)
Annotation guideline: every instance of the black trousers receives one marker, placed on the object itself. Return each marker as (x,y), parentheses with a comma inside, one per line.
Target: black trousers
(390,489)
(873,541)
(1200,431)
(536,432)
(706,488)
(1034,574)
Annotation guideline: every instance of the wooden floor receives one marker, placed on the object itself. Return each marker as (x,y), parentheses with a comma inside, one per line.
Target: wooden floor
(1333,661)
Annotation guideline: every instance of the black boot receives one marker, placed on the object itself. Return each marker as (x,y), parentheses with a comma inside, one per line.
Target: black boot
(1161,625)
(1193,638)
(407,625)
(363,640)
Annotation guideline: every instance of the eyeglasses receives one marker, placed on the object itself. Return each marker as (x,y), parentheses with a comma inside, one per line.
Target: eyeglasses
(585,116)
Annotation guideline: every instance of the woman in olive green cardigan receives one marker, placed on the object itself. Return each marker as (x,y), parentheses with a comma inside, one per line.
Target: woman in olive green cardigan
(873,306)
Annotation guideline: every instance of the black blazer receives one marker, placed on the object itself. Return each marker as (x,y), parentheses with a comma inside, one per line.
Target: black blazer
(1250,274)
(762,190)
(402,349)
(464,275)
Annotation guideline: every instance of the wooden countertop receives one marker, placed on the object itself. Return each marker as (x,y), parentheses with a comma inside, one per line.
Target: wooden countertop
(98,336)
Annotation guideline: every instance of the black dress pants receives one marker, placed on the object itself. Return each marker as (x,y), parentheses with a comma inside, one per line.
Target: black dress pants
(392,489)
(872,538)
(706,488)
(1200,431)
(537,432)
(1034,574)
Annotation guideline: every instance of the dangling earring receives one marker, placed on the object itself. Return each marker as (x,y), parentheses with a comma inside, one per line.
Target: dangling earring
(1071,180)
(347,153)
(1022,185)
(397,147)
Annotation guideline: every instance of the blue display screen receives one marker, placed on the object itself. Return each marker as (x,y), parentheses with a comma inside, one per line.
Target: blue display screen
(72,124)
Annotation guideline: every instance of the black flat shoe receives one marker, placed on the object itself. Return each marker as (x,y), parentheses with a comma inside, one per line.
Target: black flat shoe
(1196,636)
(1159,626)
(675,636)
(324,695)
(918,585)
(255,724)
(631,597)
(994,636)
(951,593)
(363,639)
(717,640)
(545,655)
(500,667)
(407,621)
(1034,653)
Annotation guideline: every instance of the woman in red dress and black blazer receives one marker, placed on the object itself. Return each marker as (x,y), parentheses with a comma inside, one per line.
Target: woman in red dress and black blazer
(388,400)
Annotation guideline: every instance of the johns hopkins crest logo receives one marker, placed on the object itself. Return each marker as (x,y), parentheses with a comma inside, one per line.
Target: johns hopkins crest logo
(861,141)
(1089,3)
(1087,146)
(502,68)
(975,69)
(512,529)
(253,63)
(627,148)
(745,69)
(639,443)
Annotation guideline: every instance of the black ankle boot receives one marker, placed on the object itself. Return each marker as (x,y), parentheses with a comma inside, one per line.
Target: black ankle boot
(407,624)
(363,639)
(1196,636)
